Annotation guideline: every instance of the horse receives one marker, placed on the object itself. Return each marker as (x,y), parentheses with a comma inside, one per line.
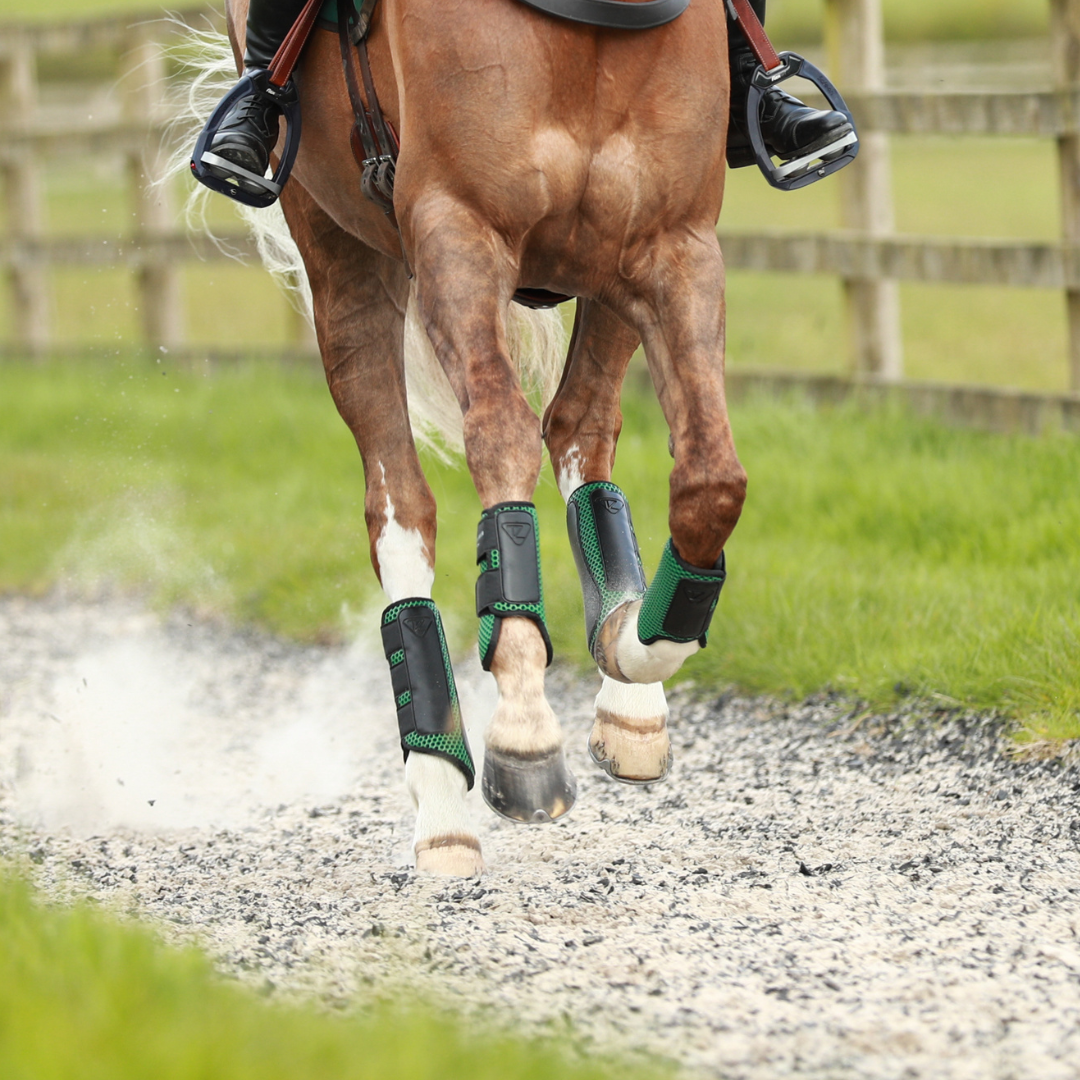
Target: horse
(542,154)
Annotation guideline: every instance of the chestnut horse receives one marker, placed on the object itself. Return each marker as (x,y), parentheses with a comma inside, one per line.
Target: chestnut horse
(544,154)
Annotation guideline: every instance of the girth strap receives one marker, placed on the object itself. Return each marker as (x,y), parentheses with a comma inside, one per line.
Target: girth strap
(613,14)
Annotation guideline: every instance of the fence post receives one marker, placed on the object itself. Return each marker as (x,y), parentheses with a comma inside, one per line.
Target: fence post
(1065,41)
(22,186)
(857,61)
(143,72)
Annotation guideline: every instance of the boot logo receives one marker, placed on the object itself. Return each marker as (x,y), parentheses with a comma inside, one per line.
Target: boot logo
(418,624)
(518,531)
(612,504)
(698,596)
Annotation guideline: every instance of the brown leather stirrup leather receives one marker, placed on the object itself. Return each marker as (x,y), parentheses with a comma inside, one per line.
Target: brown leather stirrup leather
(756,38)
(285,59)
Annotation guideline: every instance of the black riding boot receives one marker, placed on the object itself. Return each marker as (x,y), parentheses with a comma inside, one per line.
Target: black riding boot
(790,128)
(250,130)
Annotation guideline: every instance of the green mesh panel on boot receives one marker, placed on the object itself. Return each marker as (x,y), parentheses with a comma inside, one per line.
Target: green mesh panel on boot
(451,744)
(492,602)
(608,578)
(680,600)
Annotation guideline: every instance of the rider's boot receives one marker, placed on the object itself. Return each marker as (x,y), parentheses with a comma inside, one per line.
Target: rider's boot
(790,128)
(249,131)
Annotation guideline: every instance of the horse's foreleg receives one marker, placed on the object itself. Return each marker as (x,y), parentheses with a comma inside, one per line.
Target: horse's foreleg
(629,739)
(680,316)
(464,282)
(359,299)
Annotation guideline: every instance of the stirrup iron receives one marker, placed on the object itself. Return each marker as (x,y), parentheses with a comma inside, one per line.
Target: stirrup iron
(245,186)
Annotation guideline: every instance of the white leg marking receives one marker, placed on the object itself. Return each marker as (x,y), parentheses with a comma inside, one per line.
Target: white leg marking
(649,663)
(630,733)
(637,701)
(404,561)
(445,841)
(568,473)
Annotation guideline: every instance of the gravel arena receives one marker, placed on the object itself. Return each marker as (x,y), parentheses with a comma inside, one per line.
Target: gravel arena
(815,892)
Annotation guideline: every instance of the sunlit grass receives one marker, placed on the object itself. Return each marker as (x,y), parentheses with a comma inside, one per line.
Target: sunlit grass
(878,554)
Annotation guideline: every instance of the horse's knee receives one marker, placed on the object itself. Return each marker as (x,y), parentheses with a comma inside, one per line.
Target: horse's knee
(705,506)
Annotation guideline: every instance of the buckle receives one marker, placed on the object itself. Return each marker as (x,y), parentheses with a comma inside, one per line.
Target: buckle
(822,162)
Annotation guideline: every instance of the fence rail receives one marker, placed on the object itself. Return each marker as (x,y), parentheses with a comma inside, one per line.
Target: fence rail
(866,253)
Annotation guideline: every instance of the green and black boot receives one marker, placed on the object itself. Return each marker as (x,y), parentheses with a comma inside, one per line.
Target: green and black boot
(790,128)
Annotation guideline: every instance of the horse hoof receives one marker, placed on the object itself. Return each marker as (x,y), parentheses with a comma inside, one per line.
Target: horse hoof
(631,757)
(534,790)
(450,856)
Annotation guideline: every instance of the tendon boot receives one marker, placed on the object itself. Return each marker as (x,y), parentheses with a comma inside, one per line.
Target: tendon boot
(248,133)
(790,128)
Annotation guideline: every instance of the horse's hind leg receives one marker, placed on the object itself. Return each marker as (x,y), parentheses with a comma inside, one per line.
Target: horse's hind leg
(629,739)
(464,283)
(359,299)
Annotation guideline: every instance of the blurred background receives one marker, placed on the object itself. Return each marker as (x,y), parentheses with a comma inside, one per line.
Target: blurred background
(72,195)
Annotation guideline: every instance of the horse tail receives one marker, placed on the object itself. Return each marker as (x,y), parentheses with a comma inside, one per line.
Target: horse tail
(537,339)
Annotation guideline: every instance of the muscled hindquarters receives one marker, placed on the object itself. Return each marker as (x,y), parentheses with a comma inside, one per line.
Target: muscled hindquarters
(543,154)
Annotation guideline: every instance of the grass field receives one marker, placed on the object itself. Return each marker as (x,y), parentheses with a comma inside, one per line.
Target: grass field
(81,996)
(878,555)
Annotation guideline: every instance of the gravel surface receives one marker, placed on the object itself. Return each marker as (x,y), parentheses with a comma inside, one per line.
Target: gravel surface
(813,893)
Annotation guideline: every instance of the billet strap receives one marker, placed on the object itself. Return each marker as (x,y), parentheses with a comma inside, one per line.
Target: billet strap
(508,554)
(429,716)
(605,550)
(613,14)
(759,42)
(680,601)
(285,59)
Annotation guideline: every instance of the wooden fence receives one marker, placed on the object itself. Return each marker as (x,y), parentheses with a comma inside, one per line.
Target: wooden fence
(866,254)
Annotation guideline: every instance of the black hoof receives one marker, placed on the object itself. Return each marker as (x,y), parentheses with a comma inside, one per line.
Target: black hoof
(534,790)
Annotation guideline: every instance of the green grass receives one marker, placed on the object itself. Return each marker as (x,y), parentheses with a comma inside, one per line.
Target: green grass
(82,996)
(878,554)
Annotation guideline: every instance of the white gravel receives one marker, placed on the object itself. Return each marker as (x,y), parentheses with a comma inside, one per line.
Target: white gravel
(811,894)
